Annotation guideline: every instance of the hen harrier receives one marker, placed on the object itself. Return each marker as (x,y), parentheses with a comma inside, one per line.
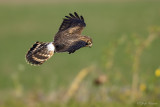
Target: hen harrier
(67,39)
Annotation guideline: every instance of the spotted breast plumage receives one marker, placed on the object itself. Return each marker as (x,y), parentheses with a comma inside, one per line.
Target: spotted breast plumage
(67,39)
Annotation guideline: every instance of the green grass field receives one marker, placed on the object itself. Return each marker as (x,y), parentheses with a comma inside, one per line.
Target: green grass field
(117,28)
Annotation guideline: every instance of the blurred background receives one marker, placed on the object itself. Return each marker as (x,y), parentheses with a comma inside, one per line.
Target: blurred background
(121,68)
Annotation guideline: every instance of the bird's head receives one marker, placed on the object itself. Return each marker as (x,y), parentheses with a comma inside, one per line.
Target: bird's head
(87,39)
(89,42)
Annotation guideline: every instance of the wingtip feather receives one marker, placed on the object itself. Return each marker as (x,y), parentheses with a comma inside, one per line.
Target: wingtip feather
(72,15)
(75,13)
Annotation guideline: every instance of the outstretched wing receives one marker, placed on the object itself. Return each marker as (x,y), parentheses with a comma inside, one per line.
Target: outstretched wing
(73,24)
(39,53)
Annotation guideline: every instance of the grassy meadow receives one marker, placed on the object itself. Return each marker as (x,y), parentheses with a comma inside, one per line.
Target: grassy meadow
(121,68)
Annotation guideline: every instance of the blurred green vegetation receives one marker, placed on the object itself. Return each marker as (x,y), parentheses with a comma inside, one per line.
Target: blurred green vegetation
(117,30)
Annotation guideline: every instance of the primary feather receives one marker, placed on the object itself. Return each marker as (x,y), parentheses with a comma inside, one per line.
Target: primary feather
(71,22)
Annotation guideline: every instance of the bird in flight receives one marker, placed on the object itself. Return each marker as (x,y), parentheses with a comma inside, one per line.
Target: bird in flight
(67,39)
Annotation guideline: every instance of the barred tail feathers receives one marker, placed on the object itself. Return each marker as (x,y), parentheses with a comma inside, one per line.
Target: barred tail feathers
(40,52)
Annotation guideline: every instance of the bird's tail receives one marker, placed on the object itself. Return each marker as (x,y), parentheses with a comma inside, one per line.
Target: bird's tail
(40,52)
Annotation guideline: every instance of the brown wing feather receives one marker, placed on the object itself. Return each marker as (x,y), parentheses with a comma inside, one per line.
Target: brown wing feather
(72,24)
(76,45)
